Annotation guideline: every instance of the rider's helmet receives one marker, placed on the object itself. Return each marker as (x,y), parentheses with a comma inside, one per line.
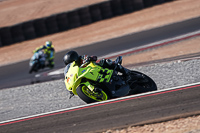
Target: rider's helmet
(48,44)
(70,57)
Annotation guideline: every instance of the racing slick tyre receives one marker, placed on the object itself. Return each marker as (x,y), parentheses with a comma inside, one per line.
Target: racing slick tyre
(89,96)
(32,68)
(142,84)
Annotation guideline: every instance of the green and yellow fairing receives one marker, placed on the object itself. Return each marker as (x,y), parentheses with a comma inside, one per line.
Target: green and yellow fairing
(92,72)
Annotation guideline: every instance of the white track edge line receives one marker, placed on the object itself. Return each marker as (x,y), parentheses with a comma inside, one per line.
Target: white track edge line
(151,44)
(81,106)
(60,71)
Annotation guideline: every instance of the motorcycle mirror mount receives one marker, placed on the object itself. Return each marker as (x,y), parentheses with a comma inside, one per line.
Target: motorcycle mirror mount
(118,60)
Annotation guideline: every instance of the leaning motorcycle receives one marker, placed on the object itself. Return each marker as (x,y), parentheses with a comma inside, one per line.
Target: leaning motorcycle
(93,83)
(37,61)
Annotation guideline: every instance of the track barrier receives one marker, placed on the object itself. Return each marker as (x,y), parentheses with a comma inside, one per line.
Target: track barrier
(62,22)
(72,19)
(28,30)
(85,16)
(17,33)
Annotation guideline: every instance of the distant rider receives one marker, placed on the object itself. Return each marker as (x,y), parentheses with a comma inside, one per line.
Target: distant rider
(49,52)
(81,60)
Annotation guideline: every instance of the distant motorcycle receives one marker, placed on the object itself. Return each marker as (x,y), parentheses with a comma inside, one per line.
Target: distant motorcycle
(94,83)
(37,61)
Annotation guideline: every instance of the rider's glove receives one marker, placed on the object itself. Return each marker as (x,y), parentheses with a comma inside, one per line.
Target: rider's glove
(85,59)
(34,51)
(92,58)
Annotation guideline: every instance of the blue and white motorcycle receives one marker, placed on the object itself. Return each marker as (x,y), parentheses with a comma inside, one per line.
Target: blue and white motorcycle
(37,61)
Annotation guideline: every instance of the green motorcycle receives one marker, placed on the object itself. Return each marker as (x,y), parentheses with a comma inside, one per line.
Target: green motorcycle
(93,83)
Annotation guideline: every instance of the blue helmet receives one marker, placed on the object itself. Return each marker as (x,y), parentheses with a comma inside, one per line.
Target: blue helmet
(48,44)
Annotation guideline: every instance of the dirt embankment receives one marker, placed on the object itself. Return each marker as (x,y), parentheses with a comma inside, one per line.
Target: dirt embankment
(17,11)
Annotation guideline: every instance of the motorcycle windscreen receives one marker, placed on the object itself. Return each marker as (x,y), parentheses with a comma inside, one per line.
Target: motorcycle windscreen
(67,68)
(70,72)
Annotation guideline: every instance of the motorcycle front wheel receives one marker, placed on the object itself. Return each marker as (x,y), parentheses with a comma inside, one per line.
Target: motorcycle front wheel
(33,68)
(89,96)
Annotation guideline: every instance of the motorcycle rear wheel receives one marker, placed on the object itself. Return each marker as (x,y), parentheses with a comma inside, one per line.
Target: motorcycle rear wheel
(89,96)
(142,85)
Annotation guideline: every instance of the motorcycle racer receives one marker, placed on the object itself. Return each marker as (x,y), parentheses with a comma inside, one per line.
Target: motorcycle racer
(98,81)
(49,52)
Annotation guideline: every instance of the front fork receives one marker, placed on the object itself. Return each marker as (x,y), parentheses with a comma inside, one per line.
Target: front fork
(87,83)
(91,88)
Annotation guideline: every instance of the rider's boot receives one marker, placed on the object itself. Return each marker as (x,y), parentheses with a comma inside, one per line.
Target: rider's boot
(127,75)
(111,64)
(50,64)
(122,69)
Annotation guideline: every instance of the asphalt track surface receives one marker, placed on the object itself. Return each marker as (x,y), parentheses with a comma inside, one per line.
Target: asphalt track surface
(131,110)
(17,74)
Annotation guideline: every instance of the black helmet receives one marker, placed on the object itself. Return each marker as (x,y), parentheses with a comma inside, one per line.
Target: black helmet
(70,57)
